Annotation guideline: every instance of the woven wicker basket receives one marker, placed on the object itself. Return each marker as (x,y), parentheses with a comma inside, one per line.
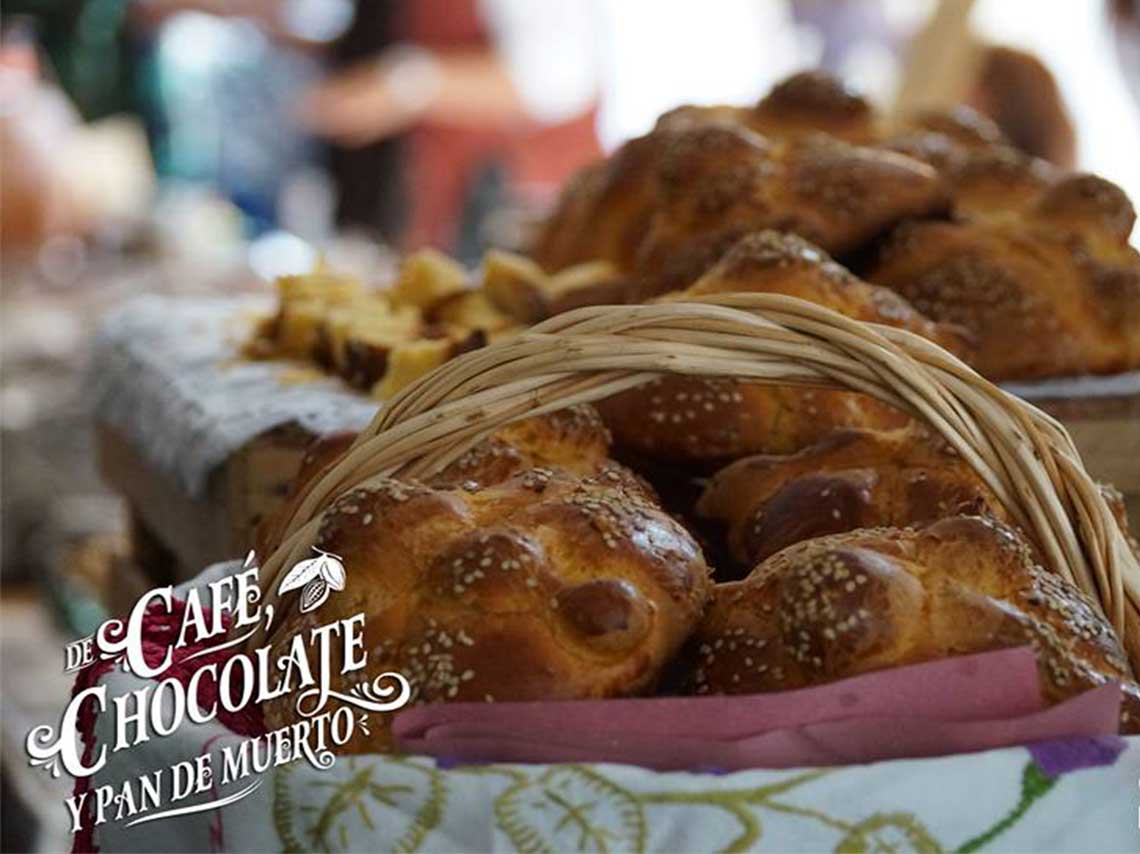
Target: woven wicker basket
(1025,457)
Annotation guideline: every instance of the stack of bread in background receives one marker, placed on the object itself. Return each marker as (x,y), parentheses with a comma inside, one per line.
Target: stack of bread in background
(941,210)
(713,536)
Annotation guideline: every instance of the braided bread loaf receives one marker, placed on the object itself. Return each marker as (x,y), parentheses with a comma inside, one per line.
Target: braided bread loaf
(850,603)
(1052,289)
(851,479)
(501,580)
(665,204)
(683,419)
(573,439)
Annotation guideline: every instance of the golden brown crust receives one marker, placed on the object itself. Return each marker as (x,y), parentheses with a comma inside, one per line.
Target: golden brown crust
(997,181)
(781,263)
(807,103)
(813,101)
(690,419)
(800,160)
(984,173)
(574,439)
(845,604)
(850,479)
(964,125)
(1089,205)
(1059,274)
(943,138)
(604,210)
(711,421)
(544,586)
(716,183)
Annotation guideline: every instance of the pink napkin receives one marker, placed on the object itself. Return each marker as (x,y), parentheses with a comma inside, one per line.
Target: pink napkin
(953,705)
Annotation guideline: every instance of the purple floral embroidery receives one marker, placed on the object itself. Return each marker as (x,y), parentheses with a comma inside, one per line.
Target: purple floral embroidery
(447,763)
(1055,758)
(714,770)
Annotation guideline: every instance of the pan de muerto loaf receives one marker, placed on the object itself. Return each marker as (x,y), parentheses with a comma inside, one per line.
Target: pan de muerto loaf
(807,103)
(849,479)
(573,439)
(836,606)
(695,419)
(668,203)
(548,585)
(1051,290)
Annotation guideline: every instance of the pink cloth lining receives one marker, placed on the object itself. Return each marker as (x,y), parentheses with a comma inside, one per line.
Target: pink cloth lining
(957,705)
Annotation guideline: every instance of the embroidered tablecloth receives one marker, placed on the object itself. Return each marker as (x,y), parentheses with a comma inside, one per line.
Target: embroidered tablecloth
(1079,795)
(1037,799)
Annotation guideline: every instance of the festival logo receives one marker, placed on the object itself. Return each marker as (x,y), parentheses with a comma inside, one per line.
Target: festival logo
(218,622)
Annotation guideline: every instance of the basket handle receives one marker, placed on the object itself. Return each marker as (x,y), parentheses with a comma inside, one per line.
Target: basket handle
(1023,455)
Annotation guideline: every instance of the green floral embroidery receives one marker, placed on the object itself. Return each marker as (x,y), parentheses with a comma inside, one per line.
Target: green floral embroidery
(737,802)
(570,807)
(430,813)
(360,797)
(869,835)
(1034,786)
(576,807)
(284,810)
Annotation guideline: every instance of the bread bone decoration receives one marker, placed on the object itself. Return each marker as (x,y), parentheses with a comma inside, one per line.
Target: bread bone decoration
(849,479)
(1027,463)
(984,174)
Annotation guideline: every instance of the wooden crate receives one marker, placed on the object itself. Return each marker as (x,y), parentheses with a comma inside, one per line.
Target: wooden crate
(175,535)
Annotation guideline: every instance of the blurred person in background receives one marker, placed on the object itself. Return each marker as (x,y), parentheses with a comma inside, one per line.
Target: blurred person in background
(487,101)
(436,112)
(63,173)
(451,102)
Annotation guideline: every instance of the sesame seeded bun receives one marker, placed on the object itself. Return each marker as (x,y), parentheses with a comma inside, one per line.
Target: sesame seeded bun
(837,606)
(850,479)
(1052,290)
(547,585)
(698,419)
